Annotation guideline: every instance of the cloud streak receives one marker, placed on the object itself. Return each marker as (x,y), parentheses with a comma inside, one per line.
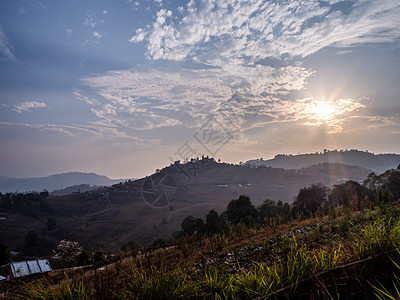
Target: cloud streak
(6,49)
(28,106)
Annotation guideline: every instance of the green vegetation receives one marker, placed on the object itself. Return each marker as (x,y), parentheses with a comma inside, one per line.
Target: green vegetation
(343,243)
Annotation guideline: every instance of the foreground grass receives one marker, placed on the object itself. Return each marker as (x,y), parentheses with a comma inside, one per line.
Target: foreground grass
(298,268)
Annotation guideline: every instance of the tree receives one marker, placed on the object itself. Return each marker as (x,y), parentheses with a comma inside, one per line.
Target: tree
(342,194)
(241,210)
(212,222)
(68,251)
(267,210)
(192,225)
(5,255)
(310,199)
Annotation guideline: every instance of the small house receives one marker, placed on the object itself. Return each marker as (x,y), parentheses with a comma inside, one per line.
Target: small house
(26,268)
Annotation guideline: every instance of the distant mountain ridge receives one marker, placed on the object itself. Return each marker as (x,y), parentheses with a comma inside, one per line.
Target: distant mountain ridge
(375,162)
(53,182)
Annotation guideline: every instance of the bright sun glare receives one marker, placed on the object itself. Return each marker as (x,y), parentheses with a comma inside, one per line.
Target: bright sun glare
(323,110)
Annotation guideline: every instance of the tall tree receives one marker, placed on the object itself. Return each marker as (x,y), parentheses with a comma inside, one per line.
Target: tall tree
(310,199)
(241,210)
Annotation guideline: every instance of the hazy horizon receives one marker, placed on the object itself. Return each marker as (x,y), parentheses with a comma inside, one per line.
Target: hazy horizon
(122,88)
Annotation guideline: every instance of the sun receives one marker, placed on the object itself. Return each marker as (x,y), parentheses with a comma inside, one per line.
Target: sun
(322,110)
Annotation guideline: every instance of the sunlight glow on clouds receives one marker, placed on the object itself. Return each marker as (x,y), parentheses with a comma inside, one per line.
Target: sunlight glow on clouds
(187,96)
(331,113)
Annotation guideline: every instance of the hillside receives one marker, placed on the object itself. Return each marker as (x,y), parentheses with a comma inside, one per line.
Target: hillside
(346,247)
(154,207)
(52,182)
(376,162)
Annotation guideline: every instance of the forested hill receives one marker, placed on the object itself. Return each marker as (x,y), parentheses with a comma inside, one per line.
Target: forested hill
(376,162)
(53,182)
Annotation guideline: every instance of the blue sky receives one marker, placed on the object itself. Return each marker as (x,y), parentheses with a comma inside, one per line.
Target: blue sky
(124,87)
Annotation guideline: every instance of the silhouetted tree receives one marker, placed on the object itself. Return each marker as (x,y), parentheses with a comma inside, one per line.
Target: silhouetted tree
(309,199)
(241,210)
(5,256)
(212,222)
(191,225)
(267,210)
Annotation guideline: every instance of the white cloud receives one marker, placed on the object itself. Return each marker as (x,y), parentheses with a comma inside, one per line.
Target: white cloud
(97,35)
(228,41)
(219,31)
(6,51)
(146,98)
(28,106)
(139,36)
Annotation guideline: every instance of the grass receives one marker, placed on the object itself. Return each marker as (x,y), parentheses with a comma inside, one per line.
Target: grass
(284,266)
(68,290)
(383,292)
(378,236)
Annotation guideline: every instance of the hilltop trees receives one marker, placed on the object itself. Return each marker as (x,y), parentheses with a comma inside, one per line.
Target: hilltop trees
(31,204)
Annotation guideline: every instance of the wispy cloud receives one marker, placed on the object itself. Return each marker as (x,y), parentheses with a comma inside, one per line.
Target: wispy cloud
(92,21)
(6,49)
(28,106)
(93,131)
(155,97)
(216,31)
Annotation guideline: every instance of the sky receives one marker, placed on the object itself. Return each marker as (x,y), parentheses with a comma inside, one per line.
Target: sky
(124,87)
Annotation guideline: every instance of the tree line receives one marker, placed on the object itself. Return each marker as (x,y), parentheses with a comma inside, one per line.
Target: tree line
(33,205)
(312,201)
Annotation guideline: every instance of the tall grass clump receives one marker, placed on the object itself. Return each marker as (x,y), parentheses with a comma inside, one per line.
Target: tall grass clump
(324,261)
(381,235)
(67,290)
(297,264)
(261,281)
(158,284)
(215,285)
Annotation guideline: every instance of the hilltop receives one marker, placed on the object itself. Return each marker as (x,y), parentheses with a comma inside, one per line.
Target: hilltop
(375,162)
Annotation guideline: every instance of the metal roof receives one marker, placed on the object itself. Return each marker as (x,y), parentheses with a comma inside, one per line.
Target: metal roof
(25,268)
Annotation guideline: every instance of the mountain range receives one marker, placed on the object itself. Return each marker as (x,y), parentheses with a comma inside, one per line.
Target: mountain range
(375,162)
(53,182)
